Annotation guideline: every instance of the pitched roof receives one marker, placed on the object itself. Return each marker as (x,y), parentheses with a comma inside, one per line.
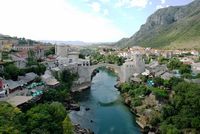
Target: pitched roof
(12,84)
(28,77)
(18,100)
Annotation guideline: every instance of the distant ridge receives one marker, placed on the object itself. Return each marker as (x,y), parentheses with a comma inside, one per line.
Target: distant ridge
(172,27)
(78,43)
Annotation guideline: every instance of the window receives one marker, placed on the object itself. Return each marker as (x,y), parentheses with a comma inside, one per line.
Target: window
(70,60)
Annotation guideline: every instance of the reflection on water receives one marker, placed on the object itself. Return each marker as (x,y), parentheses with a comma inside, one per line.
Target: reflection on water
(107,114)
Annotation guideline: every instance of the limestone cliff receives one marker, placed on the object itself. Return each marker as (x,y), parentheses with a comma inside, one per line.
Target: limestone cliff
(177,26)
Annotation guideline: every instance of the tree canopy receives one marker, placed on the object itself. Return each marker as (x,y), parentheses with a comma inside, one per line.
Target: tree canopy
(182,112)
(40,119)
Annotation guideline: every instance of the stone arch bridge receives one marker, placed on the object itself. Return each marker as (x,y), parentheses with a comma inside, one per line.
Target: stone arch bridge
(124,72)
(116,68)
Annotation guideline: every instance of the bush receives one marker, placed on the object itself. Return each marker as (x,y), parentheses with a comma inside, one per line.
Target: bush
(136,102)
(68,128)
(159,93)
(169,129)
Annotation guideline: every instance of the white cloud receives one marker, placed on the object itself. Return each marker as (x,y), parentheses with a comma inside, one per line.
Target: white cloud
(163,1)
(96,6)
(132,3)
(105,12)
(150,3)
(159,6)
(54,20)
(105,1)
(86,0)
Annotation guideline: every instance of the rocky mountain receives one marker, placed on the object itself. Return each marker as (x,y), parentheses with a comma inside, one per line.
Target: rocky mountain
(172,27)
(77,43)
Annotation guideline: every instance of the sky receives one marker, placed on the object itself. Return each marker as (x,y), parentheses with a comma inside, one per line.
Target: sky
(77,20)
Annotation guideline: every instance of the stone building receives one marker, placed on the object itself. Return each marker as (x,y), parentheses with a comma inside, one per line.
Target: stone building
(68,55)
(132,66)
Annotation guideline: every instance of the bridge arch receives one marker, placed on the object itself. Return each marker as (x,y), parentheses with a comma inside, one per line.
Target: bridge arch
(113,66)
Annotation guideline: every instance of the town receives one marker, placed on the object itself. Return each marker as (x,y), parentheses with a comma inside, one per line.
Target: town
(100,67)
(29,70)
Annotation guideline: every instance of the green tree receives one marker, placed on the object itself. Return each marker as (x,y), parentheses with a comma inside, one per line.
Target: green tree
(136,102)
(185,69)
(182,111)
(159,93)
(174,63)
(169,129)
(31,58)
(50,51)
(11,72)
(46,117)
(58,94)
(163,60)
(67,77)
(10,119)
(174,81)
(68,128)
(158,81)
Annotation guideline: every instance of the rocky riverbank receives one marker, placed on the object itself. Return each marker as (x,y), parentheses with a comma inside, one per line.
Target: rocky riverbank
(72,105)
(79,130)
(145,109)
(127,101)
(139,120)
(80,87)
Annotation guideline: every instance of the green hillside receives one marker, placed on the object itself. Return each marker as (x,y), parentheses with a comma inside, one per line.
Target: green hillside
(172,27)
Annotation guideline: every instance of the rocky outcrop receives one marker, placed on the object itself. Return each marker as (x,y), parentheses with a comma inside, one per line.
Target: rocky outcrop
(75,107)
(79,130)
(70,104)
(166,26)
(80,87)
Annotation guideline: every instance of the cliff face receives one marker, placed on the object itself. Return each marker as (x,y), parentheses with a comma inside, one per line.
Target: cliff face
(172,26)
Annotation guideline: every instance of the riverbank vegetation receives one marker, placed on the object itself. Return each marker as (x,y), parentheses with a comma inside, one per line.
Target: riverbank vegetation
(168,107)
(182,110)
(62,92)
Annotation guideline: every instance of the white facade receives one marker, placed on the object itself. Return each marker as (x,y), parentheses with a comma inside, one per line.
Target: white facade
(69,56)
(61,50)
(196,67)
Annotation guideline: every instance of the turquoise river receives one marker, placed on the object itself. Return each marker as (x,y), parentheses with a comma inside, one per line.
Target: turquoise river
(107,114)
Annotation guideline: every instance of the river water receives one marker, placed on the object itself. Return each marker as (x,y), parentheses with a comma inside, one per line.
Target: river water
(107,114)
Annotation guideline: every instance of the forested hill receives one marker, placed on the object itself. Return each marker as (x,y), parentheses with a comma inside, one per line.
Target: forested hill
(172,27)
(16,40)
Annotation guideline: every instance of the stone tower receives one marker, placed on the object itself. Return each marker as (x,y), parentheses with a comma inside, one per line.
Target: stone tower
(61,50)
(139,63)
(132,66)
(127,69)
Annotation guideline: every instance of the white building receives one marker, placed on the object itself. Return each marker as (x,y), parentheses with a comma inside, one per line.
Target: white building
(196,67)
(68,55)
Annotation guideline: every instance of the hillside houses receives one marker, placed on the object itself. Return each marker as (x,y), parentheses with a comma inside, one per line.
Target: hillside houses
(196,67)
